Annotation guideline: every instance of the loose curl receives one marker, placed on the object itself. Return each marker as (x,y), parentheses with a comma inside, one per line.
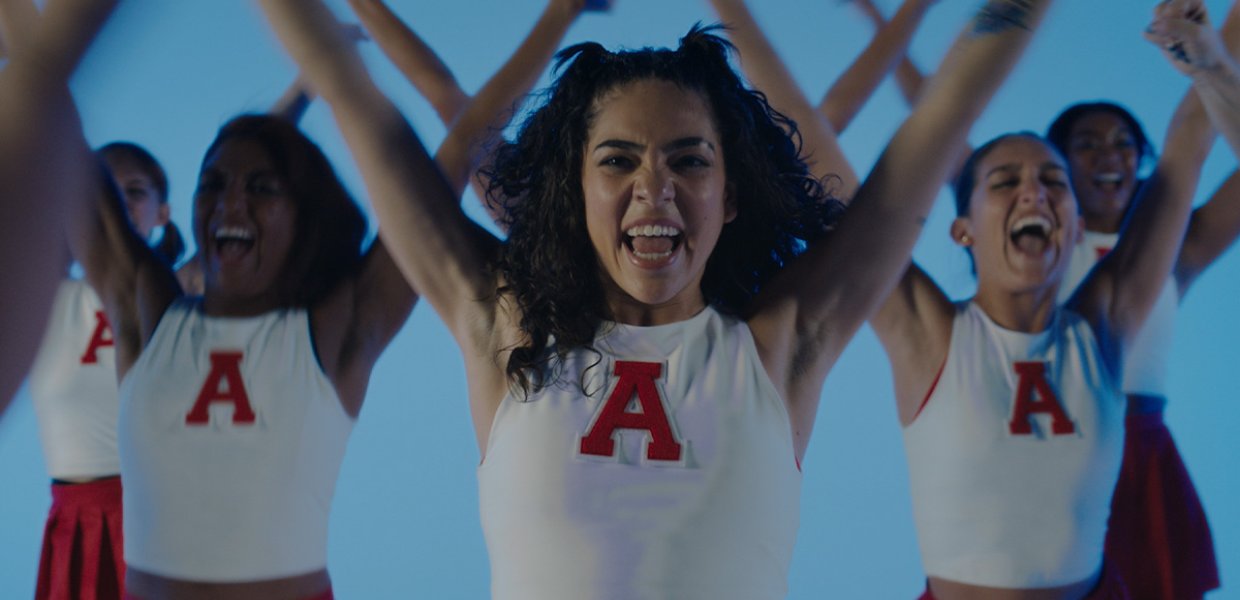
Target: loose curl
(548,264)
(327,245)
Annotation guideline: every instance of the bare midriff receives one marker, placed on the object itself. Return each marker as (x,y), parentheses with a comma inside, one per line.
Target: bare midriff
(148,586)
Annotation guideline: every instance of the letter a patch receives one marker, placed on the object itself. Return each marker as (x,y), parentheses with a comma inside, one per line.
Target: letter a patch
(223,384)
(101,338)
(635,379)
(1035,395)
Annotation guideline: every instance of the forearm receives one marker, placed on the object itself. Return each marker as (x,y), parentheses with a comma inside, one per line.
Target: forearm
(413,57)
(477,129)
(889,44)
(1219,90)
(421,223)
(18,19)
(765,70)
(293,103)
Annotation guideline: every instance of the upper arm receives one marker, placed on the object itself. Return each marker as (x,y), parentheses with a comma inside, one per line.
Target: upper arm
(839,282)
(134,284)
(1127,281)
(1212,229)
(440,251)
(357,321)
(914,326)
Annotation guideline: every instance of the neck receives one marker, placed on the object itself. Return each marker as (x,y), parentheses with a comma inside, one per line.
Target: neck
(631,312)
(1027,311)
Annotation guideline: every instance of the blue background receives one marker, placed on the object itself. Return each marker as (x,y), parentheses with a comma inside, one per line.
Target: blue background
(405,523)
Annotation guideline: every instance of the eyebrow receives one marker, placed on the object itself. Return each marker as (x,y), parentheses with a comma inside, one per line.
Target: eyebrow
(1046,166)
(677,144)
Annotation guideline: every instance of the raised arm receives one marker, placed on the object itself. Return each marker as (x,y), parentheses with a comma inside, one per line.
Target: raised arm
(765,70)
(441,252)
(887,49)
(477,128)
(44,165)
(1214,225)
(1188,41)
(419,64)
(816,305)
(1118,294)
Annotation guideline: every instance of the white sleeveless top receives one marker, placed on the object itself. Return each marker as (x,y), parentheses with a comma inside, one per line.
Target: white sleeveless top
(1146,356)
(672,476)
(231,441)
(73,386)
(1013,457)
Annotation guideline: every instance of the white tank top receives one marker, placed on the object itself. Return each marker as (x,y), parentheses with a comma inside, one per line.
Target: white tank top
(231,441)
(1146,356)
(1014,455)
(673,476)
(73,385)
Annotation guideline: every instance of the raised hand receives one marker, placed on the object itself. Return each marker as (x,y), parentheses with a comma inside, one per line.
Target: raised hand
(1182,30)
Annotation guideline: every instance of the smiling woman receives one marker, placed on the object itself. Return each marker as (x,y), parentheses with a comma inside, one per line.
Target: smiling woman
(667,250)
(254,387)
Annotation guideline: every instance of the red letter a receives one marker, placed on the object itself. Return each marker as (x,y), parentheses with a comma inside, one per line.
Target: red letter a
(635,378)
(100,338)
(1033,378)
(223,384)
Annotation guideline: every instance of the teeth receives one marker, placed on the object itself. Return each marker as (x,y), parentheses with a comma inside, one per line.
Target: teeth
(652,255)
(653,231)
(1109,177)
(1038,221)
(233,233)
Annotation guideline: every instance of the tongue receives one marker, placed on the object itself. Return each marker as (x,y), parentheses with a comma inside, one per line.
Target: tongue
(1030,243)
(232,250)
(652,245)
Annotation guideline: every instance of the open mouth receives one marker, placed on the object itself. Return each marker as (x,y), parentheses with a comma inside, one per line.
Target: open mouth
(653,243)
(1109,181)
(1031,234)
(232,242)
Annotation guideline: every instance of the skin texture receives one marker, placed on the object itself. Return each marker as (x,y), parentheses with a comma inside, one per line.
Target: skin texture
(147,209)
(646,167)
(44,164)
(800,328)
(240,187)
(1018,283)
(1102,147)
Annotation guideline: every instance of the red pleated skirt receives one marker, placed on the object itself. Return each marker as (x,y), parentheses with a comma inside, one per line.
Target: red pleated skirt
(83,548)
(1158,538)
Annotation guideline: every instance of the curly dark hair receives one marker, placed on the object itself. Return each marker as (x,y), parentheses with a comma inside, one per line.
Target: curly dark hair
(330,227)
(171,245)
(548,264)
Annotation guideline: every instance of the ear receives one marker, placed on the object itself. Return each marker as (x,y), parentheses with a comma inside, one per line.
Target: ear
(962,231)
(165,214)
(729,203)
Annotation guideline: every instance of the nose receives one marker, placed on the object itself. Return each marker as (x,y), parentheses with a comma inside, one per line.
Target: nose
(232,197)
(654,185)
(1033,191)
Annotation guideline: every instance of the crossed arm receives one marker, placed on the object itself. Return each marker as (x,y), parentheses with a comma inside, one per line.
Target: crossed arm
(475,123)
(762,65)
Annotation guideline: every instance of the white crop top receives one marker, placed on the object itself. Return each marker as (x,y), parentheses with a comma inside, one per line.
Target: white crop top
(1146,356)
(1014,455)
(73,385)
(231,441)
(673,476)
